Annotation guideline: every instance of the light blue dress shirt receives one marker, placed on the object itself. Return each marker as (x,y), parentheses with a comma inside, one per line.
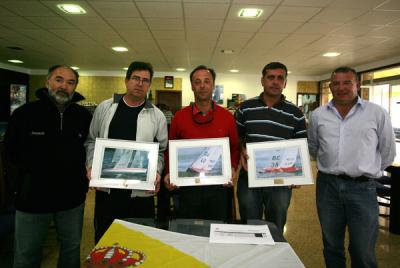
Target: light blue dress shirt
(362,143)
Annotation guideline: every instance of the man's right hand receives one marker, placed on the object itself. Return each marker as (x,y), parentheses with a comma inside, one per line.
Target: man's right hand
(243,158)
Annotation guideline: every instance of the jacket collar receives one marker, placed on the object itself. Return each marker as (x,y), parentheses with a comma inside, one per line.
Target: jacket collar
(117,97)
(43,94)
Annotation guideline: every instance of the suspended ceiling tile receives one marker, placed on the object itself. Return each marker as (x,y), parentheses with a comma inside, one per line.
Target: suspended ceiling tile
(160,9)
(116,9)
(296,14)
(205,10)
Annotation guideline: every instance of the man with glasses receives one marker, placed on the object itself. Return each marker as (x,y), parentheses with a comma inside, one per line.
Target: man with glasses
(201,120)
(129,116)
(44,147)
(268,117)
(353,142)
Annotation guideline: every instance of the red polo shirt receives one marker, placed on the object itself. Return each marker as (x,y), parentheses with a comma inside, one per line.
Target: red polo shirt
(219,123)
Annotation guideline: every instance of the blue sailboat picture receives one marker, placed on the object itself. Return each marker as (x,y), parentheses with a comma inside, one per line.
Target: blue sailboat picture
(125,164)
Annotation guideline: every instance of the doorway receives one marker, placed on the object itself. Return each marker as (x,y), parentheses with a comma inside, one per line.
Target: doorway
(172,98)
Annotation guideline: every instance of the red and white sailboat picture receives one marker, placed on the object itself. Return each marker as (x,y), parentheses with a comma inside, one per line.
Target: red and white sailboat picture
(278,162)
(125,163)
(195,161)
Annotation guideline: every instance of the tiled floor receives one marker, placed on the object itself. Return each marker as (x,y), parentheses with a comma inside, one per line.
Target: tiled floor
(302,232)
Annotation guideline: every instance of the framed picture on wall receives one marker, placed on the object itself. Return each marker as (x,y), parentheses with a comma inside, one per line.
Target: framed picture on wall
(168,82)
(199,162)
(124,164)
(17,96)
(278,163)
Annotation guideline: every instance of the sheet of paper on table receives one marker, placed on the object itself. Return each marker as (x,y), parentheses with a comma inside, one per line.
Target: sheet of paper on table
(241,234)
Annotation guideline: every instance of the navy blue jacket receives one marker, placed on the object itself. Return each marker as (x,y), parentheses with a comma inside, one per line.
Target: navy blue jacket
(45,153)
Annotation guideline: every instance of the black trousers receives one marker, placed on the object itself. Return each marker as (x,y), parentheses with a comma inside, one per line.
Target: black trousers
(212,202)
(118,204)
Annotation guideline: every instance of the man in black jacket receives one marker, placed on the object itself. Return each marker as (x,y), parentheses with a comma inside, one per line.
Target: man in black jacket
(46,158)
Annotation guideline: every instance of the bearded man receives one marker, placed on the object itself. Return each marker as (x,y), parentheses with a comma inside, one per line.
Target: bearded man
(45,155)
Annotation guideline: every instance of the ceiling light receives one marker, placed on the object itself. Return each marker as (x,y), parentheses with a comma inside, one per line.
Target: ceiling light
(71,9)
(289,72)
(125,68)
(250,12)
(180,69)
(120,49)
(234,71)
(75,67)
(227,51)
(331,54)
(16,61)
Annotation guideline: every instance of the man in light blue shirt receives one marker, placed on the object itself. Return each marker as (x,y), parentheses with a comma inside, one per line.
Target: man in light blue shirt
(353,142)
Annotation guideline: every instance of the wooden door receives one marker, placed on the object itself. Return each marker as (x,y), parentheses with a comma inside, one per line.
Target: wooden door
(172,98)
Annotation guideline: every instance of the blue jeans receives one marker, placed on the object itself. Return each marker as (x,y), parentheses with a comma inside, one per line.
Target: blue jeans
(252,202)
(31,231)
(342,203)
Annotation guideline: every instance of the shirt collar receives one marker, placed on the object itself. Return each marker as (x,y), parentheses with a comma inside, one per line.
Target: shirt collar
(360,102)
(278,104)
(196,110)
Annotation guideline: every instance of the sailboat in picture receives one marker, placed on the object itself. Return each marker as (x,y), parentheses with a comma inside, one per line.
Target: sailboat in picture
(127,161)
(282,162)
(206,161)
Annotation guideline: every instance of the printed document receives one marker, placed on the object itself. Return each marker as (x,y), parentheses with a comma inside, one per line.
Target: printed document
(241,234)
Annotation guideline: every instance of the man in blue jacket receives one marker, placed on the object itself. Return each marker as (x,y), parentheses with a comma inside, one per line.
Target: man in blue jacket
(44,146)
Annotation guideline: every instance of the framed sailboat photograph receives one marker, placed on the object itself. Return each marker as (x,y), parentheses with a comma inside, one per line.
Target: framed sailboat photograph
(279,163)
(124,164)
(197,162)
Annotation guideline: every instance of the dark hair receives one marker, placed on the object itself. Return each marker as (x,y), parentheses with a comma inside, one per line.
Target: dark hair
(274,66)
(203,67)
(54,67)
(345,69)
(139,66)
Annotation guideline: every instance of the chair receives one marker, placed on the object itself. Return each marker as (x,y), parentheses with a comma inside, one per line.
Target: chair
(383,191)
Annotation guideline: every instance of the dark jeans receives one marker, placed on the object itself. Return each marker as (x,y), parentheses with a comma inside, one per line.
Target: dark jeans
(118,204)
(342,203)
(252,202)
(31,232)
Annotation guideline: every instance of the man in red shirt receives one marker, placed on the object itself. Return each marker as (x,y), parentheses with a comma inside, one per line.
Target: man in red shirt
(205,119)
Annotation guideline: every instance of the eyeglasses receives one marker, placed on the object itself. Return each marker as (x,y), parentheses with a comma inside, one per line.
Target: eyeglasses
(138,79)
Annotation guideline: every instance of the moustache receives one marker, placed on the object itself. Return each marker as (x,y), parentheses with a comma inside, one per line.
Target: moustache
(62,91)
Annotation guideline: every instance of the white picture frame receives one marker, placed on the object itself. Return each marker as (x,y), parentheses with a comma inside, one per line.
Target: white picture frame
(197,162)
(279,163)
(124,164)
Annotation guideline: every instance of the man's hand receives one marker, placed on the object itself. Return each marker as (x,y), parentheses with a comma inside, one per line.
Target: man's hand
(168,185)
(89,173)
(156,184)
(243,158)
(232,182)
(89,177)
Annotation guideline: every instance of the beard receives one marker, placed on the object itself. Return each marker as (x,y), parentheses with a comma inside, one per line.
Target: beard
(60,96)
